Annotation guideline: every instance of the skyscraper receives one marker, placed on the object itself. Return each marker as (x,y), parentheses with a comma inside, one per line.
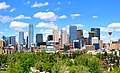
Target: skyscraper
(97,32)
(39,38)
(79,34)
(91,34)
(55,34)
(13,40)
(8,40)
(73,33)
(63,37)
(30,35)
(21,38)
(49,37)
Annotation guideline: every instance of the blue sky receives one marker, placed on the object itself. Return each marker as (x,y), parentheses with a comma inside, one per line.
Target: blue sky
(15,15)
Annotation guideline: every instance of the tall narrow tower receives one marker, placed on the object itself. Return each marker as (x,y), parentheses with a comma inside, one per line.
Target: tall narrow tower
(30,35)
(55,34)
(63,37)
(21,37)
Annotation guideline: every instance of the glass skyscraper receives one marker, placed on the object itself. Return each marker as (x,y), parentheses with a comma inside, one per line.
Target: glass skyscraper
(13,40)
(73,33)
(97,32)
(39,38)
(30,35)
(21,38)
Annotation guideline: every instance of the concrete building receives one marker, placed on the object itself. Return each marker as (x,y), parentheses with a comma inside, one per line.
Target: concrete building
(63,37)
(91,34)
(2,43)
(79,34)
(76,44)
(55,34)
(101,44)
(90,47)
(50,38)
(94,40)
(116,45)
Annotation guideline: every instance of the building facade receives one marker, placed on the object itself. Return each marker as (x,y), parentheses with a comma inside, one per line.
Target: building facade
(13,40)
(30,35)
(97,32)
(39,38)
(55,34)
(63,37)
(21,38)
(72,33)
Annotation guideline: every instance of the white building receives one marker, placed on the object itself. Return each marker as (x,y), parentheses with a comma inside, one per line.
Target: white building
(94,40)
(55,34)
(63,37)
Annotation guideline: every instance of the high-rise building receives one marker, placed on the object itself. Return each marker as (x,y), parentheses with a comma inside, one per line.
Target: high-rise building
(63,37)
(97,32)
(91,34)
(39,38)
(55,34)
(8,40)
(21,38)
(30,35)
(79,34)
(50,38)
(13,40)
(73,33)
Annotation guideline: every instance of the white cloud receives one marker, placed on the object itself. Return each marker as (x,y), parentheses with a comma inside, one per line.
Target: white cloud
(79,25)
(13,9)
(5,19)
(69,2)
(75,15)
(57,9)
(18,24)
(114,25)
(103,29)
(63,17)
(117,30)
(40,4)
(46,16)
(3,5)
(94,17)
(22,17)
(2,32)
(46,25)
(59,3)
(47,9)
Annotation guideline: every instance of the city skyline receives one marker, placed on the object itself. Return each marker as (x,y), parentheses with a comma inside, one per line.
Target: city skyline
(46,14)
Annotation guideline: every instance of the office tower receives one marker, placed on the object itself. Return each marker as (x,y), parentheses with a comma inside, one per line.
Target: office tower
(55,34)
(39,38)
(73,33)
(97,32)
(5,42)
(76,44)
(8,41)
(68,38)
(79,34)
(30,35)
(82,43)
(21,38)
(91,34)
(50,37)
(13,40)
(63,37)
